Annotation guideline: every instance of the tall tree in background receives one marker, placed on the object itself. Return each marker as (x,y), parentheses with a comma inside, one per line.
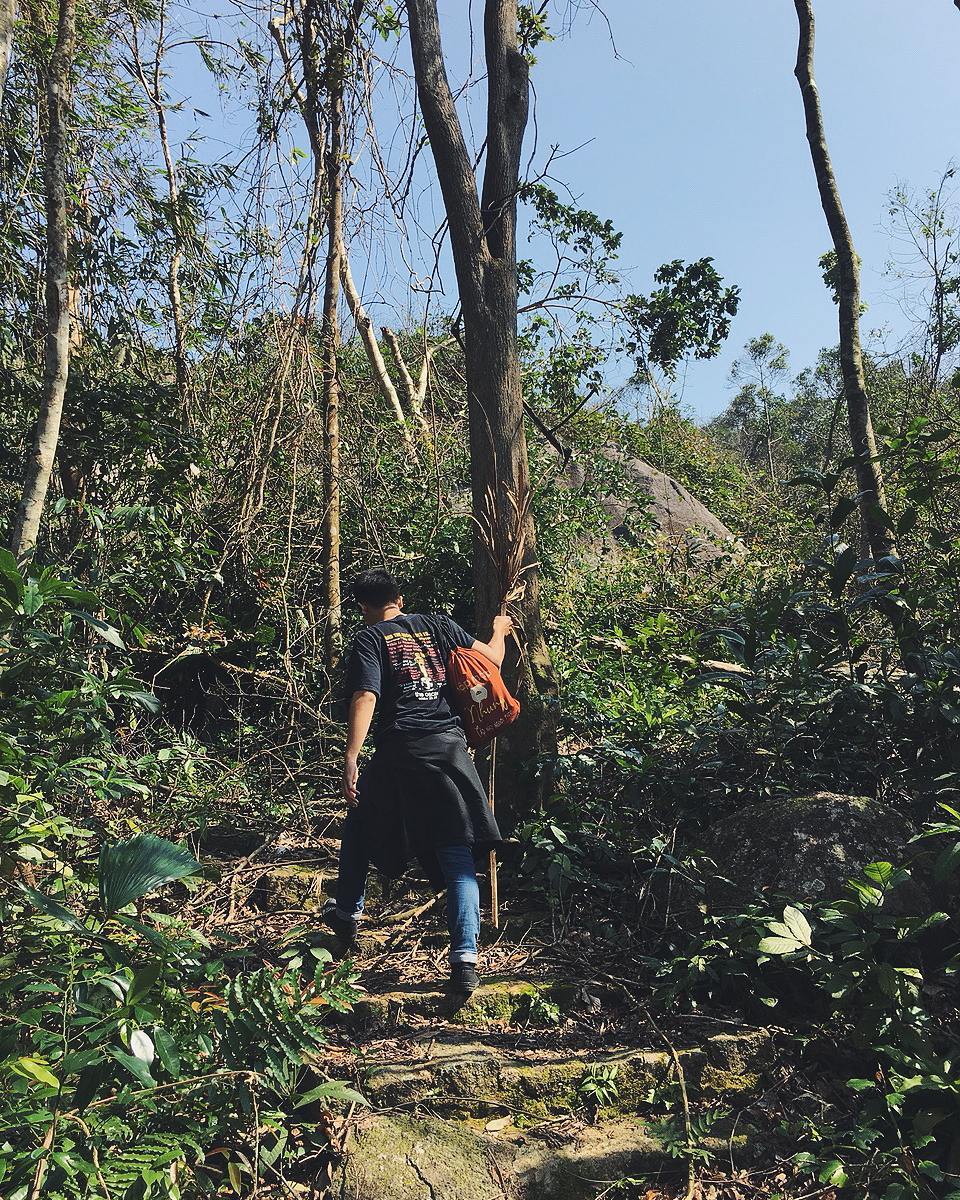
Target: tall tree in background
(754,419)
(483,239)
(323,40)
(876,523)
(342,35)
(56,362)
(8,16)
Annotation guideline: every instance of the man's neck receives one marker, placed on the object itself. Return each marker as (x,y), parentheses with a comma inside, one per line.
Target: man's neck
(391,611)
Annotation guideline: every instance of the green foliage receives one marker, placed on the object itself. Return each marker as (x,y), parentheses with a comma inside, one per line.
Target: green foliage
(131,869)
(129,1053)
(861,978)
(683,1133)
(537,1009)
(532,30)
(578,227)
(830,270)
(689,314)
(598,1087)
(386,21)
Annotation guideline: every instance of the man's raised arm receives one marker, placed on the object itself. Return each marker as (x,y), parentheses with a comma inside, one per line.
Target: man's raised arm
(362,705)
(496,648)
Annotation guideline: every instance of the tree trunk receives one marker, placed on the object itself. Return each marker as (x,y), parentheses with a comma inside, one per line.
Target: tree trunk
(869,476)
(154,92)
(331,389)
(338,50)
(326,40)
(8,15)
(483,240)
(56,362)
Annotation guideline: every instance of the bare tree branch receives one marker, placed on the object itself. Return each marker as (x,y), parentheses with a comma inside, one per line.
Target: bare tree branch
(365,328)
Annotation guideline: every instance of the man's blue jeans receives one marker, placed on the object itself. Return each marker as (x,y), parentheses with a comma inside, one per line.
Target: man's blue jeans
(463,891)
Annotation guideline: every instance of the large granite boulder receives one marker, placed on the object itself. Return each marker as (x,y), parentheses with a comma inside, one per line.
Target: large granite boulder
(806,847)
(676,518)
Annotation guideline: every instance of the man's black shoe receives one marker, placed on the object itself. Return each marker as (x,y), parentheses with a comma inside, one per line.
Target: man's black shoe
(345,929)
(463,979)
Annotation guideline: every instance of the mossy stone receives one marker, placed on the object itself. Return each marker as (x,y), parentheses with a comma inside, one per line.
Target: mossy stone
(418,1158)
(497,1002)
(467,1071)
(484,1077)
(805,847)
(290,886)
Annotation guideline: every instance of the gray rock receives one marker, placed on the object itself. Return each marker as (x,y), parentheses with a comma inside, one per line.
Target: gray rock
(806,847)
(675,516)
(418,1158)
(678,514)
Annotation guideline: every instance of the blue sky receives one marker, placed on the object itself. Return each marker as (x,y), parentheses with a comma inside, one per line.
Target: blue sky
(692,142)
(697,147)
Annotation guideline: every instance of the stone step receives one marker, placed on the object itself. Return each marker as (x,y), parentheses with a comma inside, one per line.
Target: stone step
(425,1158)
(474,1078)
(496,1003)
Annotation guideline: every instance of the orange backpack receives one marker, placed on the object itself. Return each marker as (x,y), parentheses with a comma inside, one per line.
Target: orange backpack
(480,696)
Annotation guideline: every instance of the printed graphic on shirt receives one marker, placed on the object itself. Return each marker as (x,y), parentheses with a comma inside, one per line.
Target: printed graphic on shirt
(417,666)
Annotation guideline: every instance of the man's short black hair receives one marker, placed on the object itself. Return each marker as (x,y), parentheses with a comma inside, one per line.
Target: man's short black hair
(376,588)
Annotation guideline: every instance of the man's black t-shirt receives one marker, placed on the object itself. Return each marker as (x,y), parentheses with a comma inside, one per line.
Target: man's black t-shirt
(404,662)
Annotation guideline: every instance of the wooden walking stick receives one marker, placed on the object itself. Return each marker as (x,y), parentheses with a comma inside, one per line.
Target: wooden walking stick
(510,569)
(491,800)
(494,890)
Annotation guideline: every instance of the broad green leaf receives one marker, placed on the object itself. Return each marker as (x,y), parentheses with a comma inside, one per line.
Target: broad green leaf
(143,982)
(89,1083)
(36,1068)
(868,895)
(52,908)
(136,1066)
(932,1170)
(834,1174)
(167,1051)
(333,1089)
(886,978)
(107,632)
(779,945)
(11,581)
(947,862)
(798,924)
(842,509)
(879,872)
(131,869)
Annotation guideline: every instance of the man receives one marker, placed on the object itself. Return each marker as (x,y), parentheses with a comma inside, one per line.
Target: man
(420,792)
